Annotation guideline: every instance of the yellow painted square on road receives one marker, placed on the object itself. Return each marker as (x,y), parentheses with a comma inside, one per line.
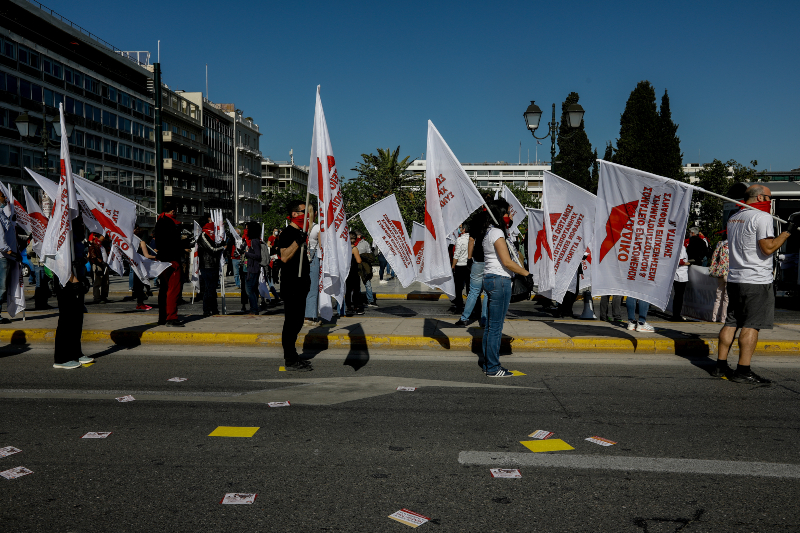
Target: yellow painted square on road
(281,369)
(229,431)
(518,373)
(549,445)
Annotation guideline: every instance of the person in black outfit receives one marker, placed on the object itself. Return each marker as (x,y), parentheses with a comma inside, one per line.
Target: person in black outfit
(68,353)
(209,254)
(169,248)
(290,244)
(697,249)
(252,255)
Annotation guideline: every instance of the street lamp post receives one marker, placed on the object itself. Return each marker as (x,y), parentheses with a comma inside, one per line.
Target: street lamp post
(533,114)
(27,130)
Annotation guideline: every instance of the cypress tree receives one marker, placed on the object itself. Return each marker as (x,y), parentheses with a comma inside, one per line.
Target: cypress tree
(574,158)
(671,158)
(639,131)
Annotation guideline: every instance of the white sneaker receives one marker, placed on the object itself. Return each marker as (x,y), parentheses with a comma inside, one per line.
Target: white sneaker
(383,282)
(631,325)
(69,365)
(644,327)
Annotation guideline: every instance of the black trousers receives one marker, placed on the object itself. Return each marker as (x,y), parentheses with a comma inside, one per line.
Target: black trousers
(677,302)
(70,322)
(210,284)
(352,294)
(294,310)
(461,278)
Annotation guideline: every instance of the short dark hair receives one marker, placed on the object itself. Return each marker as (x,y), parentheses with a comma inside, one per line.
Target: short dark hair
(293,205)
(169,205)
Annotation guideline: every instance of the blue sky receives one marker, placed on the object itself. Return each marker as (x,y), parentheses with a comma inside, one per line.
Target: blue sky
(472,68)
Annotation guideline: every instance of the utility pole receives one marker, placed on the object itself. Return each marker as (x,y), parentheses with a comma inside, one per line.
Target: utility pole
(159,140)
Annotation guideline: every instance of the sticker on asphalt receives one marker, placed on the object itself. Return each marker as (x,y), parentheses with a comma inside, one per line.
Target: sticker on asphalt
(541,434)
(96,435)
(409,518)
(505,472)
(236,498)
(601,441)
(177,379)
(279,404)
(14,473)
(8,450)
(518,373)
(407,388)
(127,398)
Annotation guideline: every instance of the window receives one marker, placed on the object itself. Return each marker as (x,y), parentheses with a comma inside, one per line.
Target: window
(164,126)
(53,68)
(93,113)
(149,133)
(137,129)
(52,99)
(194,160)
(28,57)
(112,93)
(109,119)
(93,142)
(9,155)
(184,158)
(166,153)
(9,49)
(91,84)
(76,139)
(124,125)
(175,129)
(184,133)
(149,158)
(193,112)
(175,156)
(124,99)
(29,90)
(109,146)
(7,118)
(146,109)
(194,207)
(124,151)
(192,136)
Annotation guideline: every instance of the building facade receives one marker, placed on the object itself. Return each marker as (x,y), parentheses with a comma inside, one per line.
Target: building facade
(246,163)
(183,153)
(282,175)
(45,61)
(493,176)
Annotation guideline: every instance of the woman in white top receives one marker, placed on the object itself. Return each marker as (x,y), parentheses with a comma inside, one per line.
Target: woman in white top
(312,313)
(498,270)
(679,285)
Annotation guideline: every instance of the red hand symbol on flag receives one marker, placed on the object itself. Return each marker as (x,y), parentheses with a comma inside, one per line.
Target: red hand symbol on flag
(429,222)
(617,220)
(541,239)
(107,223)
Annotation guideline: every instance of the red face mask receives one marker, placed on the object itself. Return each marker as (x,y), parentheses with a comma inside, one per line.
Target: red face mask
(507,220)
(296,220)
(762,206)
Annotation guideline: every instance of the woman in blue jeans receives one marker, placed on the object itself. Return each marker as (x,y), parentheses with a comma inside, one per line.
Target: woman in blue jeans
(475,253)
(642,325)
(498,269)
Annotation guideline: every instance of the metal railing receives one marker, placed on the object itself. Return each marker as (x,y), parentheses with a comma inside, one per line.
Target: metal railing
(248,123)
(86,32)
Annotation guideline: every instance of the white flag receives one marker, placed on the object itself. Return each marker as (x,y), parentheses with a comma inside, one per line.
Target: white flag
(38,222)
(569,212)
(57,247)
(15,294)
(417,244)
(114,260)
(539,255)
(457,196)
(50,188)
(334,235)
(515,209)
(194,265)
(639,228)
(384,223)
(237,237)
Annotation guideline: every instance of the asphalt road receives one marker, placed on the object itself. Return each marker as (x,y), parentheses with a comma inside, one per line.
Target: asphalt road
(350,449)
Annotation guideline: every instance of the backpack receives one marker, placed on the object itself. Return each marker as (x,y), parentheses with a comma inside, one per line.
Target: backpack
(264,254)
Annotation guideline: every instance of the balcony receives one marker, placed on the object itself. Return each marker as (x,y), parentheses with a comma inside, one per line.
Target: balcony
(175,164)
(244,171)
(249,123)
(176,138)
(247,195)
(180,192)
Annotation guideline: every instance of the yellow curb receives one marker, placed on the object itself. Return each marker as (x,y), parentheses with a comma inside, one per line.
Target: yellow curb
(320,340)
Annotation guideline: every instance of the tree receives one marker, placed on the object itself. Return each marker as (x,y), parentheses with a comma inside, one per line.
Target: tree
(275,202)
(609,153)
(716,177)
(670,158)
(574,158)
(637,145)
(379,176)
(595,175)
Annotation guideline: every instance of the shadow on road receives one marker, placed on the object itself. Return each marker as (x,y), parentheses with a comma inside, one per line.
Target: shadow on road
(18,345)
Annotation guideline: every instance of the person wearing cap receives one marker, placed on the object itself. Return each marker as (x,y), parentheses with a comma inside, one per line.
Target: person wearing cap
(751,307)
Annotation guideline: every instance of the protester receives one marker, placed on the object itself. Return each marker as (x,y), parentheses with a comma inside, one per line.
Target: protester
(641,326)
(42,292)
(475,254)
(461,271)
(365,267)
(99,248)
(253,257)
(275,264)
(67,352)
(497,283)
(8,233)
(382,262)
(296,282)
(679,286)
(236,258)
(719,270)
(697,248)
(352,286)
(751,243)
(139,291)
(312,308)
(170,249)
(209,254)
(616,308)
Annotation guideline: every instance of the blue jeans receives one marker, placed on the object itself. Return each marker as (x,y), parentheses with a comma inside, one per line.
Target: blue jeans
(382,263)
(130,280)
(236,273)
(312,311)
(252,291)
(498,292)
(475,289)
(630,303)
(368,286)
(4,268)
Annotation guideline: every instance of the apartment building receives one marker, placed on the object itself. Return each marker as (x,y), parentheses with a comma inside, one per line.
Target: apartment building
(46,60)
(282,175)
(493,176)
(247,162)
(183,153)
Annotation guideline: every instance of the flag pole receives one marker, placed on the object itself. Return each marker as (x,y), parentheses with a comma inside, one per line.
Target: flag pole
(303,246)
(734,201)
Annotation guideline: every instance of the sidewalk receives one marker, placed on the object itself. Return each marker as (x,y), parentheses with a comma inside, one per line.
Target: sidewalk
(689,338)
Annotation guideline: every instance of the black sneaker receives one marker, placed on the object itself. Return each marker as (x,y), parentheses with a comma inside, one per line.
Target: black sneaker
(359,311)
(501,373)
(299,366)
(721,371)
(461,323)
(750,377)
(175,324)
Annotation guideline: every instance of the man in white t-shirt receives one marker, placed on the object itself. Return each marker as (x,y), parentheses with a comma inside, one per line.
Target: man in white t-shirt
(751,307)
(460,268)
